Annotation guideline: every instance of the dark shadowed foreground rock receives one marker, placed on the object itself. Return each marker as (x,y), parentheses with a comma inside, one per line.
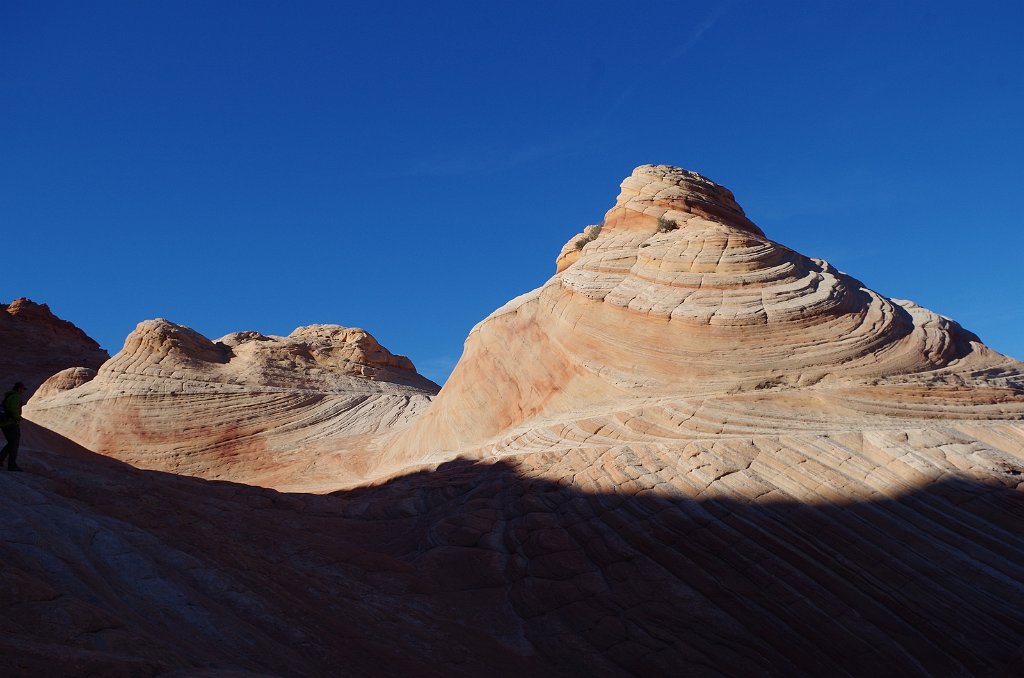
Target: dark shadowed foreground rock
(500,568)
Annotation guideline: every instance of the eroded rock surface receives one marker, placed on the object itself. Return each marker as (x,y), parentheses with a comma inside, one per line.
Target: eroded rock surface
(36,344)
(293,411)
(692,452)
(742,460)
(614,562)
(680,321)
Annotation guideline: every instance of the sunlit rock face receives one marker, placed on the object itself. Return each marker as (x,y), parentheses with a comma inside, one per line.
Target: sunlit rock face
(281,411)
(37,344)
(732,459)
(692,452)
(681,322)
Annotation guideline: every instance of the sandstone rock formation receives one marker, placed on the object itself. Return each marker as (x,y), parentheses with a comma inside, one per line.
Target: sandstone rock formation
(692,452)
(37,344)
(765,429)
(289,411)
(111,570)
(524,566)
(681,324)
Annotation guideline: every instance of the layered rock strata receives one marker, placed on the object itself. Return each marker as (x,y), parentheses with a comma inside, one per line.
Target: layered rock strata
(282,411)
(621,562)
(37,344)
(746,441)
(680,321)
(692,452)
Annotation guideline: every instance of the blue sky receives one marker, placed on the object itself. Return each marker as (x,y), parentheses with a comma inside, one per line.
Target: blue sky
(409,167)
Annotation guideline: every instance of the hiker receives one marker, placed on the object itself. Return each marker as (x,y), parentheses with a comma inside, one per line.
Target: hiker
(10,424)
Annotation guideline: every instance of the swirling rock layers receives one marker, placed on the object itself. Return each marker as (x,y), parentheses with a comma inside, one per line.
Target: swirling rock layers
(743,461)
(675,558)
(692,452)
(284,411)
(680,302)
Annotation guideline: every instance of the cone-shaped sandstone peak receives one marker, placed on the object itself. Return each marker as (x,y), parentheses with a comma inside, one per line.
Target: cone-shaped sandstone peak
(680,316)
(679,195)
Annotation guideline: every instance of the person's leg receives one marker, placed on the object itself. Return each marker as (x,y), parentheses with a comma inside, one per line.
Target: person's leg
(7,447)
(13,435)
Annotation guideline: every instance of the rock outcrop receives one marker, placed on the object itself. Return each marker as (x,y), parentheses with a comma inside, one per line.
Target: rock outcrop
(692,452)
(37,344)
(681,322)
(291,411)
(548,564)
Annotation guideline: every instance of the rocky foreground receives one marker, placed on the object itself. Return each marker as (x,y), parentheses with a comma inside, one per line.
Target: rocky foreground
(692,452)
(514,567)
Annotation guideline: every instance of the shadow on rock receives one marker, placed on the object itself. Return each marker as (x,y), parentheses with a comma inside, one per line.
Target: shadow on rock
(478,568)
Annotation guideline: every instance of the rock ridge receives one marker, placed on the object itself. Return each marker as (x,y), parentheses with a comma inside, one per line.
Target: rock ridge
(327,358)
(295,411)
(38,344)
(680,302)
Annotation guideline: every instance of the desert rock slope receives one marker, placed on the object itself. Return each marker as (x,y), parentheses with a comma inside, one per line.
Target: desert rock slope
(693,452)
(679,327)
(36,344)
(765,428)
(291,411)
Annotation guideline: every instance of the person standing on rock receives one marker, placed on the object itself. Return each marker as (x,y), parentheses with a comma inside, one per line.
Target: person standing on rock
(10,424)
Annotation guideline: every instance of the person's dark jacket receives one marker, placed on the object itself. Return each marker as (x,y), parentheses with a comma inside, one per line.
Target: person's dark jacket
(12,408)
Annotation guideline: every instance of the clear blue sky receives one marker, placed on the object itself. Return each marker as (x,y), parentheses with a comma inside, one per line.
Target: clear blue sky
(408,167)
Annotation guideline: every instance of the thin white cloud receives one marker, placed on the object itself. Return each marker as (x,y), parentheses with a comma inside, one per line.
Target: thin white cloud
(691,41)
(698,32)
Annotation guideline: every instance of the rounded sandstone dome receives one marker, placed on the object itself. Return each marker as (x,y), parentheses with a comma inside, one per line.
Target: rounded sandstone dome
(65,380)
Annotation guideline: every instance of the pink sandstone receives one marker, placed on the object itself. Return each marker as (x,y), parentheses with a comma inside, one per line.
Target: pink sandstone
(292,411)
(693,451)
